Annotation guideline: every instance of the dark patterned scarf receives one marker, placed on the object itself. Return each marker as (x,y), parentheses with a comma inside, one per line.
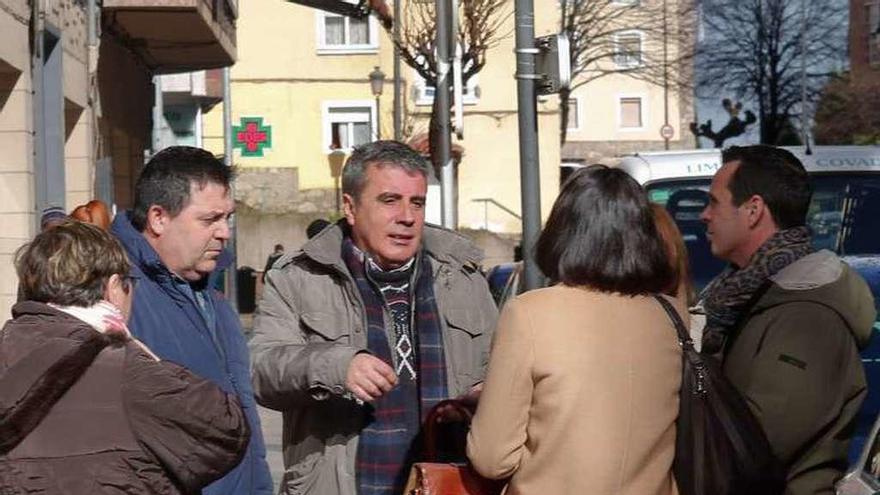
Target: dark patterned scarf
(732,292)
(388,441)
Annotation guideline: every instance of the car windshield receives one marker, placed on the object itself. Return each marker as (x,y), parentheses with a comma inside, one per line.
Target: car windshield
(839,217)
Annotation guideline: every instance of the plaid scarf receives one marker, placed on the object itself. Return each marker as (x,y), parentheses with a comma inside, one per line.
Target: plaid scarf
(729,295)
(388,443)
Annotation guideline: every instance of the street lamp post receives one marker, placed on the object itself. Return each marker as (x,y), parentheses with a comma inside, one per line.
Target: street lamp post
(377,81)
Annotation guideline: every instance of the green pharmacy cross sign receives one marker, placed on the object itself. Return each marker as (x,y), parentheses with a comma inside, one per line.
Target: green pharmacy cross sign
(252,137)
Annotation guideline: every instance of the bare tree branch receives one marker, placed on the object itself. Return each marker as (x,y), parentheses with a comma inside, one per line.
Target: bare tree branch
(755,48)
(482,25)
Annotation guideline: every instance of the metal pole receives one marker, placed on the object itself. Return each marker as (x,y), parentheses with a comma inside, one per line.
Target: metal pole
(231,282)
(528,138)
(806,137)
(398,101)
(91,11)
(378,119)
(447,179)
(665,76)
(158,106)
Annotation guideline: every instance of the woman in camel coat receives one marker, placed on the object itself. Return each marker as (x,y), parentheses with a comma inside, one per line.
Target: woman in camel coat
(581,394)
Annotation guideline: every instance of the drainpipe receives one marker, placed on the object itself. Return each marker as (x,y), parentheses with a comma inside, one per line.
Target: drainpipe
(232,272)
(398,101)
(158,106)
(38,23)
(92,13)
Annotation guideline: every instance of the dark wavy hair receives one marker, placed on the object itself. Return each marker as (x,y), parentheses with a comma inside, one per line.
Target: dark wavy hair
(601,234)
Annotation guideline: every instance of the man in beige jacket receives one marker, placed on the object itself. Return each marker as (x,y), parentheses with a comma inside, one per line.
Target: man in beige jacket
(365,328)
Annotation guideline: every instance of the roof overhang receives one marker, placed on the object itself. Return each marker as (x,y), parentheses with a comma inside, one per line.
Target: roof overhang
(341,7)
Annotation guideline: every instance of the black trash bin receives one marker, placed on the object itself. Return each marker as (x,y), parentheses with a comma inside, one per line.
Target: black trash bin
(247,290)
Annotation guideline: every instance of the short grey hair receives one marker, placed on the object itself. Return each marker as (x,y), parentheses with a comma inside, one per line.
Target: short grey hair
(382,153)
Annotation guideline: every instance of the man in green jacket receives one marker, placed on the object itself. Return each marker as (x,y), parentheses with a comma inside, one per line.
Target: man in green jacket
(786,321)
(367,327)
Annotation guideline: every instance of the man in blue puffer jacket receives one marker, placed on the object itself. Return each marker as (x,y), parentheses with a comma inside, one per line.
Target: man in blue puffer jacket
(175,236)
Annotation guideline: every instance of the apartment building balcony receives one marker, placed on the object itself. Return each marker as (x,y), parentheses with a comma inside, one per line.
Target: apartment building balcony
(196,87)
(175,35)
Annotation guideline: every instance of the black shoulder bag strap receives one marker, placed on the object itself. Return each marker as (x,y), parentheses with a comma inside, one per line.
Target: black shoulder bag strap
(684,337)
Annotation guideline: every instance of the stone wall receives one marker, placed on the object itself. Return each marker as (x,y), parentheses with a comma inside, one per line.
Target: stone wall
(498,248)
(271,209)
(275,191)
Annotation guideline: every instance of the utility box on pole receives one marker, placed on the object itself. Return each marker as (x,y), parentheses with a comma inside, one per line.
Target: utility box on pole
(553,63)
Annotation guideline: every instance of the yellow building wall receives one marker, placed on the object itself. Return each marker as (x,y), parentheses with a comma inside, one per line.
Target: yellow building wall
(281,77)
(490,167)
(295,112)
(599,117)
(599,109)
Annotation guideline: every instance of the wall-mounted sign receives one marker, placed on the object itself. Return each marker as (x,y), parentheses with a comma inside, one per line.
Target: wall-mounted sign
(252,137)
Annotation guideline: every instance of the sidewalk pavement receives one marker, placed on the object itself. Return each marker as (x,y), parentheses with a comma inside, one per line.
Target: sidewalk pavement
(271,423)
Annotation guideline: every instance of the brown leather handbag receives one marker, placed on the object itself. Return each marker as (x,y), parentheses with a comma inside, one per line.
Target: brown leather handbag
(438,478)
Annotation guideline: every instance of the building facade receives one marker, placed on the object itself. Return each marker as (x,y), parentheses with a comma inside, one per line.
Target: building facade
(617,113)
(76,96)
(301,90)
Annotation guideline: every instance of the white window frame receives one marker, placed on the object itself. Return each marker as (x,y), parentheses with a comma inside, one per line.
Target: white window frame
(372,46)
(617,57)
(326,119)
(643,111)
(577,109)
(421,99)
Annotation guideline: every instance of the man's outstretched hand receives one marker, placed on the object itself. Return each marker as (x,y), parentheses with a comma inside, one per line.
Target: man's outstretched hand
(369,377)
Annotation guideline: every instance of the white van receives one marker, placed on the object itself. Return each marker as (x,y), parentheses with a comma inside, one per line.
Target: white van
(648,168)
(844,214)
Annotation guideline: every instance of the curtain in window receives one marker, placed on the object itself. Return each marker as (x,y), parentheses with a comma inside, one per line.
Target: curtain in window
(359,30)
(362,133)
(334,30)
(339,135)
